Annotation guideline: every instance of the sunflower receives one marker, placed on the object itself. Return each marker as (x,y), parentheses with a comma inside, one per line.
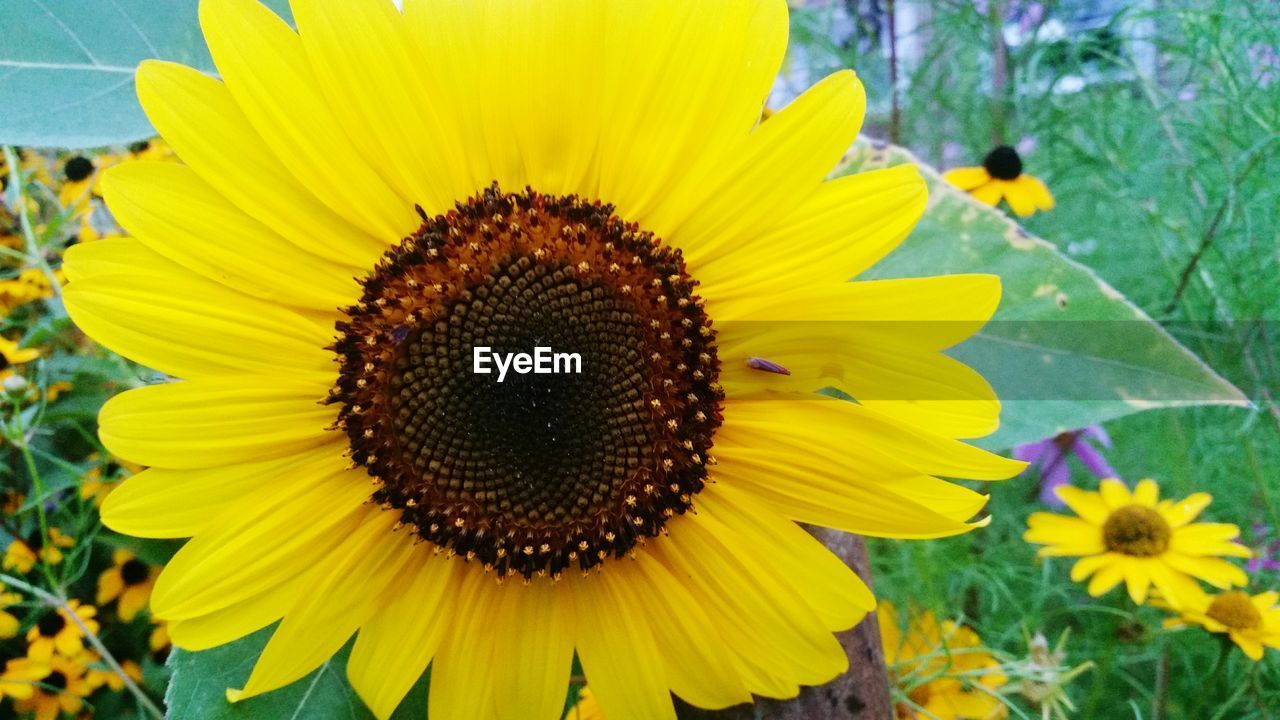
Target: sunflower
(57,631)
(1140,540)
(941,667)
(345,470)
(1252,622)
(61,687)
(1001,176)
(128,581)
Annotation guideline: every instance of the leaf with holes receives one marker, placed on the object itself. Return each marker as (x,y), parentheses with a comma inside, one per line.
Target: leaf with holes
(1065,350)
(66,66)
(197,690)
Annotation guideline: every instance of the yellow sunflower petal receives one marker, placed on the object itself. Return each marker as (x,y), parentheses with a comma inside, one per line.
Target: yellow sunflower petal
(1184,511)
(163,317)
(206,423)
(847,225)
(1019,197)
(617,649)
(461,681)
(169,503)
(105,257)
(533,651)
(198,116)
(1207,539)
(266,69)
(249,549)
(241,618)
(697,660)
(343,597)
(396,644)
(171,210)
(1147,493)
(783,162)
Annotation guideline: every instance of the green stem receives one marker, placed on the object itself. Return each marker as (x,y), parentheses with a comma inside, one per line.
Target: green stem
(37,489)
(17,185)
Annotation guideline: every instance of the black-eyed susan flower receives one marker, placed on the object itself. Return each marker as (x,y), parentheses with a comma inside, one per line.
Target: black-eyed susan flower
(128,582)
(58,633)
(941,668)
(1140,540)
(1252,622)
(79,173)
(20,676)
(9,624)
(19,554)
(693,259)
(999,177)
(60,688)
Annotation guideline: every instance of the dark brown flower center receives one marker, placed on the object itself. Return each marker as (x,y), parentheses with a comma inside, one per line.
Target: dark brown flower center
(557,463)
(56,680)
(1236,610)
(51,624)
(1136,530)
(134,572)
(1003,163)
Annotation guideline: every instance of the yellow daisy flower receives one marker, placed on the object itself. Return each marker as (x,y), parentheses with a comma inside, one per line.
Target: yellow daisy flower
(9,624)
(1001,176)
(98,674)
(56,631)
(20,676)
(61,688)
(942,668)
(639,218)
(128,580)
(1140,540)
(1252,622)
(19,556)
(51,552)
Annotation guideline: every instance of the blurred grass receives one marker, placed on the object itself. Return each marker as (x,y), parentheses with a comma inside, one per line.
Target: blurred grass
(1165,166)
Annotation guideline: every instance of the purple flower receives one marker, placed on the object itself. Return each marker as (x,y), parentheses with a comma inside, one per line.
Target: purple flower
(1051,456)
(1266,551)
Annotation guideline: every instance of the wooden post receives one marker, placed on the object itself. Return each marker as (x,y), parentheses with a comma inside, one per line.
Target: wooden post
(862,693)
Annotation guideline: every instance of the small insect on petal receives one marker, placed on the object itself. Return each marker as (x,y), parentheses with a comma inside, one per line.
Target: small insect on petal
(756,363)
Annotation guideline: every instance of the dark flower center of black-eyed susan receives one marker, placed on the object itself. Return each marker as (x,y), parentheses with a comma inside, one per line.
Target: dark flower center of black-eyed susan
(134,572)
(1136,530)
(56,680)
(1236,610)
(51,624)
(539,471)
(1003,163)
(78,168)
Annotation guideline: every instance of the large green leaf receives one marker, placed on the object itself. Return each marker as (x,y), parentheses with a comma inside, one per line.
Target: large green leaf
(66,66)
(197,689)
(1065,349)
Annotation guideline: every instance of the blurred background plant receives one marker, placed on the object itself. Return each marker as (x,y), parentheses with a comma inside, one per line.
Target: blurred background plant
(1156,124)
